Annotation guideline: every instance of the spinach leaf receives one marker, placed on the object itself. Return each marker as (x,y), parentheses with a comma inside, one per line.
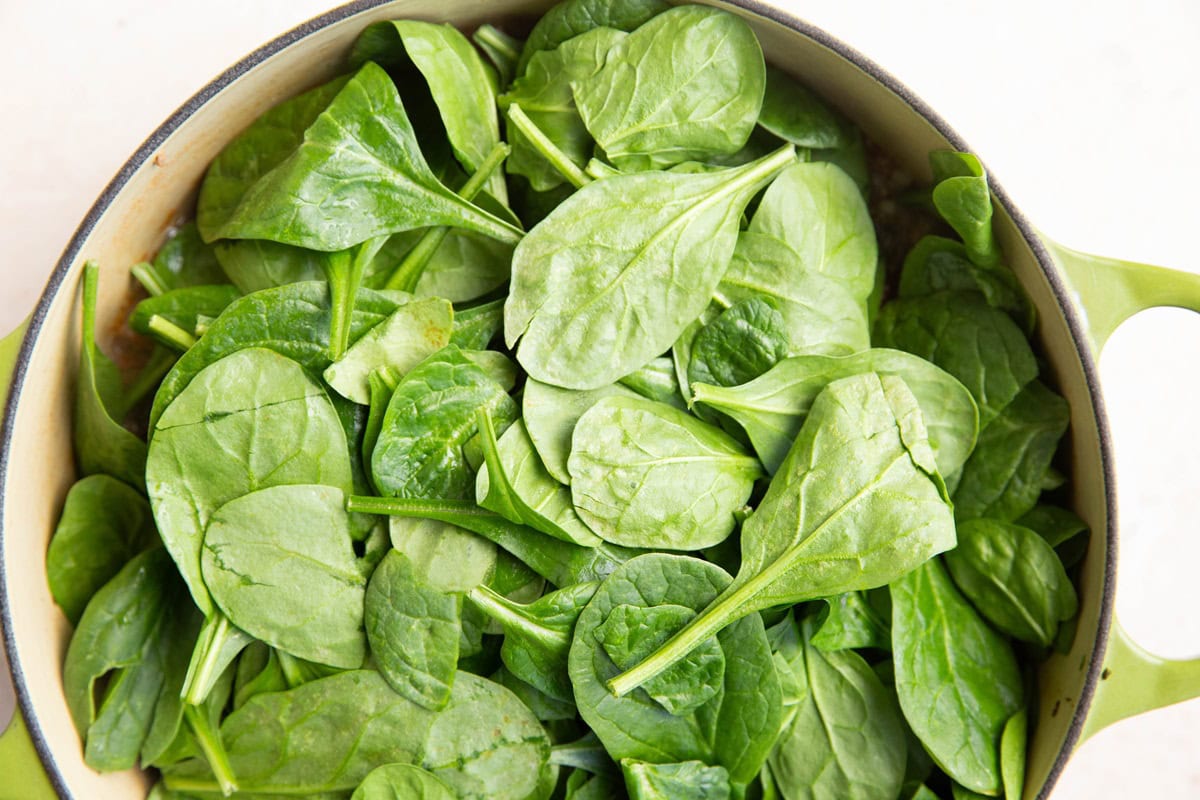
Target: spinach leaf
(575,17)
(184,307)
(585,279)
(550,415)
(820,313)
(735,729)
(256,264)
(687,780)
(413,332)
(357,174)
(102,445)
(957,679)
(457,79)
(856,503)
(516,486)
(255,152)
(962,197)
(501,49)
(413,630)
(207,447)
(292,320)
(465,266)
(656,381)
(1013,577)
(168,740)
(795,114)
(846,738)
(329,734)
(937,264)
(543,706)
(746,340)
(543,92)
(258,671)
(959,332)
(1003,477)
(772,408)
(816,210)
(402,782)
(259,547)
(537,636)
(448,558)
(124,631)
(1056,525)
(1012,754)
(561,563)
(645,474)
(686,84)
(104,524)
(429,420)
(852,623)
(582,785)
(184,260)
(477,326)
(631,633)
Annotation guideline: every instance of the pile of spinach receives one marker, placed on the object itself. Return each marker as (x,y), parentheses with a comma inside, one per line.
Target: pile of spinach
(603,473)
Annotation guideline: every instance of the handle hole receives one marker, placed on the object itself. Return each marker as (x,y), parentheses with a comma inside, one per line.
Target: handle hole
(1150,374)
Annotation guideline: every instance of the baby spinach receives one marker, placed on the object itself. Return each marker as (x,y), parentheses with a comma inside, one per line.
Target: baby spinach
(476,327)
(845,739)
(537,636)
(123,634)
(550,415)
(656,381)
(429,420)
(358,153)
(687,780)
(607,255)
(329,734)
(1012,576)
(501,49)
(402,782)
(937,264)
(686,84)
(259,547)
(959,332)
(957,679)
(856,503)
(413,332)
(772,408)
(206,449)
(645,474)
(102,445)
(962,197)
(1003,477)
(184,260)
(795,114)
(413,630)
(183,307)
(576,17)
(543,92)
(1012,754)
(819,312)
(746,340)
(852,622)
(516,486)
(734,729)
(457,79)
(104,524)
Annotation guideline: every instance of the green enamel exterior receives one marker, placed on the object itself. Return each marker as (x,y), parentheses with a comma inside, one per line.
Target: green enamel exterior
(1108,292)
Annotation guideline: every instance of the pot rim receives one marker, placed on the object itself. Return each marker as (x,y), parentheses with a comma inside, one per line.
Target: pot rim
(759,8)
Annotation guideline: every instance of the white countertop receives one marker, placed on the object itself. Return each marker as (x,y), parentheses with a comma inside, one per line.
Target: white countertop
(1087,112)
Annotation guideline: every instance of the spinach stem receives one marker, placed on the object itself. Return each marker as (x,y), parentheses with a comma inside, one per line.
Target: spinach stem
(143,272)
(549,150)
(171,334)
(214,751)
(409,271)
(498,40)
(501,609)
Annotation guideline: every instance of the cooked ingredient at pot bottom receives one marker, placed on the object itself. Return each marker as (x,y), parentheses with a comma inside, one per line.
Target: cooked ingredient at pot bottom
(521,432)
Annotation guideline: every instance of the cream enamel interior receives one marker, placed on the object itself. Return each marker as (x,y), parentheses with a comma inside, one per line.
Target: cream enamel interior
(161,191)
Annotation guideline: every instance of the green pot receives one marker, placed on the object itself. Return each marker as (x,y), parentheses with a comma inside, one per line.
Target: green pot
(1080,300)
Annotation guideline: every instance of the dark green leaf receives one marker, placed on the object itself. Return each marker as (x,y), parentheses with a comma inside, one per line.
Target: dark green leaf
(575,17)
(745,341)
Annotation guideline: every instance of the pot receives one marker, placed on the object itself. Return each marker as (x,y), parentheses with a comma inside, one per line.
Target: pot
(1080,300)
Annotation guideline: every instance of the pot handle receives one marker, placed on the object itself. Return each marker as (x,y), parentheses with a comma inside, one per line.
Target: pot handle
(1108,292)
